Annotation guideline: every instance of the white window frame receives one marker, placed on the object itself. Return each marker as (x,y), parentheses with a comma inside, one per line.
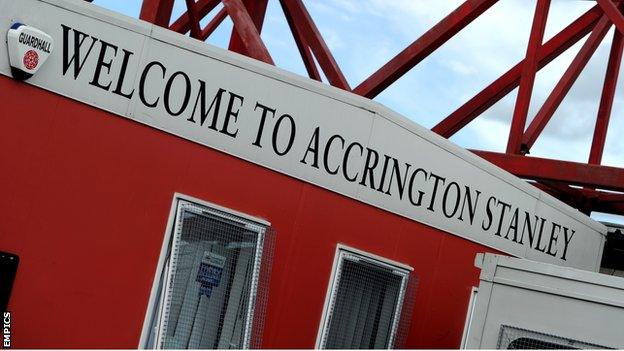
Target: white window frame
(469,313)
(342,252)
(158,299)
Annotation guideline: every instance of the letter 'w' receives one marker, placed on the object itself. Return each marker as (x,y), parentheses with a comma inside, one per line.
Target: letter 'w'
(79,39)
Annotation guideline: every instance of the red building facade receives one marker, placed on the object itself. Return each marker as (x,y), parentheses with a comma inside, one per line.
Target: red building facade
(88,194)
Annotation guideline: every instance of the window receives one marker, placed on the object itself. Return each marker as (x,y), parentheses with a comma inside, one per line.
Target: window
(207,293)
(365,302)
(512,338)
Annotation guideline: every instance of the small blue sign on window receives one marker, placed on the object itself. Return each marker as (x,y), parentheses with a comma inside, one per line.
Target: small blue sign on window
(209,272)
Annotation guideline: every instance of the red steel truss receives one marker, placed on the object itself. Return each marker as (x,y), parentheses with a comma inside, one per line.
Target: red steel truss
(587,186)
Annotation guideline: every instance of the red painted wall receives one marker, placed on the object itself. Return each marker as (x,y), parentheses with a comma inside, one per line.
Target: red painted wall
(86,197)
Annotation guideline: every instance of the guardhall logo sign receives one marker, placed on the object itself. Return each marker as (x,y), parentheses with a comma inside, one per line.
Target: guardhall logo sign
(29,48)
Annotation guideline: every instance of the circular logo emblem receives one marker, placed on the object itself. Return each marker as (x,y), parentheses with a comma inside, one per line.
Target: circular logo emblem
(31,59)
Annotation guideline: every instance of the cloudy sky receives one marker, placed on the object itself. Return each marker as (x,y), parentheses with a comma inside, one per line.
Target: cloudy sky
(364,34)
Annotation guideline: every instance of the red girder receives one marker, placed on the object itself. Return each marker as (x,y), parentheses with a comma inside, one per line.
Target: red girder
(606,202)
(203,7)
(606,100)
(529,69)
(550,175)
(257,10)
(565,83)
(585,200)
(157,11)
(213,24)
(614,14)
(303,20)
(193,18)
(302,46)
(572,196)
(510,80)
(581,174)
(246,29)
(422,47)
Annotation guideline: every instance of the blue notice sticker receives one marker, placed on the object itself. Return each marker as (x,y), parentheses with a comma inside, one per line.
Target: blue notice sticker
(205,290)
(209,272)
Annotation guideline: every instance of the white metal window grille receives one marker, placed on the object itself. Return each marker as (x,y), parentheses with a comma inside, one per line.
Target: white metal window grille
(214,281)
(365,303)
(512,338)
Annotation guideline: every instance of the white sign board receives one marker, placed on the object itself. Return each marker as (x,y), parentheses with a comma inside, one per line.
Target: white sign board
(298,127)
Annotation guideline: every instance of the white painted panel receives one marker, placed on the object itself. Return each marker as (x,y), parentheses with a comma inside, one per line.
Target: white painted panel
(454,213)
(256,89)
(548,299)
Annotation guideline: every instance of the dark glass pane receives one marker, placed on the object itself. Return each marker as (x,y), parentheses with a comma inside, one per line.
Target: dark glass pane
(364,308)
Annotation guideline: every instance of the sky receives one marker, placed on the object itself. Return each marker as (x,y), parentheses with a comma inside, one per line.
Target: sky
(364,34)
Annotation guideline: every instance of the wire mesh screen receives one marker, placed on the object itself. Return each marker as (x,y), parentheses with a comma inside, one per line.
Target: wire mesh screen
(262,295)
(512,338)
(407,311)
(365,306)
(212,278)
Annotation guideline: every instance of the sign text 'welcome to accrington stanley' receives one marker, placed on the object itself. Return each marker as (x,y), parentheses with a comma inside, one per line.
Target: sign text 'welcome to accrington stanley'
(192,98)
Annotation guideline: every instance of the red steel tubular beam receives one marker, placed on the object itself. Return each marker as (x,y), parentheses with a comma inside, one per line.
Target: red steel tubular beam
(245,27)
(602,196)
(565,83)
(571,196)
(575,193)
(529,69)
(213,24)
(157,11)
(595,176)
(606,202)
(585,199)
(606,100)
(256,10)
(203,7)
(616,207)
(614,14)
(302,19)
(302,45)
(510,80)
(193,19)
(422,47)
